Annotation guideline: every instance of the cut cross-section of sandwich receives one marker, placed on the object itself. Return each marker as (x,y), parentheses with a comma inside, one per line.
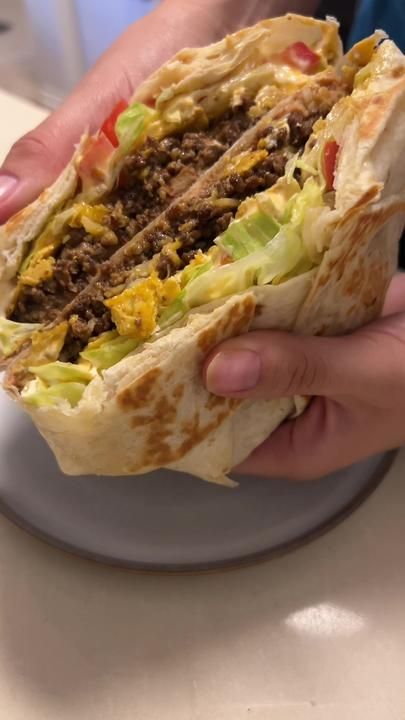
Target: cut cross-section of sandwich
(295,227)
(147,153)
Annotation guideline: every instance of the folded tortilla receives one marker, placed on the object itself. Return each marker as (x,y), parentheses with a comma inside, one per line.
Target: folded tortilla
(295,227)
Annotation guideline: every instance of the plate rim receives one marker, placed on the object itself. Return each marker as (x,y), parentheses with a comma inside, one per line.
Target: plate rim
(385,463)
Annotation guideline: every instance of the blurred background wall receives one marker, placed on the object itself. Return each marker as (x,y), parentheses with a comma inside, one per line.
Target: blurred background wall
(47,45)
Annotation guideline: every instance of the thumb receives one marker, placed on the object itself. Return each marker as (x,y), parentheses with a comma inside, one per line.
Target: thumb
(269,364)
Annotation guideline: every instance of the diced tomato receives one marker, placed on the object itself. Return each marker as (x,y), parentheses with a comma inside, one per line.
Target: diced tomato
(96,153)
(300,56)
(108,126)
(330,152)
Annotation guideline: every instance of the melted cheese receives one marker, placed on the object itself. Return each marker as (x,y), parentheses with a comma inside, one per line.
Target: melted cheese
(38,265)
(39,270)
(135,311)
(245,161)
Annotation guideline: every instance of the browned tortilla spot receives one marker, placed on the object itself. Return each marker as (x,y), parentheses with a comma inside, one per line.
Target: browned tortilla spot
(141,420)
(198,435)
(397,72)
(141,392)
(231,325)
(215,401)
(168,438)
(178,392)
(371,110)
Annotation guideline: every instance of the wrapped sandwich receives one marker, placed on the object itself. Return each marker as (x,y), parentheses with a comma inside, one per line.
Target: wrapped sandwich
(252,184)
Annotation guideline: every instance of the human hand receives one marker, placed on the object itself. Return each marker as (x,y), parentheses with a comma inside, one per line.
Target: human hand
(36,160)
(357,383)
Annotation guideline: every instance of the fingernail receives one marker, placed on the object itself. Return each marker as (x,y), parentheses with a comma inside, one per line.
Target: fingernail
(233,371)
(7,185)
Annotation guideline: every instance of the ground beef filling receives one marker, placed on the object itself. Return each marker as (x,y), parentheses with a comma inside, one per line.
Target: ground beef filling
(195,223)
(149,181)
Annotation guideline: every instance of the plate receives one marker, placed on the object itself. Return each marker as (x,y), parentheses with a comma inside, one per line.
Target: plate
(166,521)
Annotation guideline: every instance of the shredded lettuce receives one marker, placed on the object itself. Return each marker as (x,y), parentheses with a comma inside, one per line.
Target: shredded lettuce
(264,250)
(68,381)
(38,394)
(57,381)
(194,270)
(278,258)
(245,236)
(173,312)
(178,307)
(311,196)
(60,372)
(132,123)
(108,350)
(13,334)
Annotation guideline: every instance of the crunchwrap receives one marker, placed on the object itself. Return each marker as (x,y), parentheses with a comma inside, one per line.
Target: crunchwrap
(294,226)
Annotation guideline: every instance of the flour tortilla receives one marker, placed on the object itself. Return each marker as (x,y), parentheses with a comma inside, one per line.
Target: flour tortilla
(192,71)
(151,410)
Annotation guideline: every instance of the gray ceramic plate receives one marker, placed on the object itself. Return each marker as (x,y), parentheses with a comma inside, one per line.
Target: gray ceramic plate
(166,521)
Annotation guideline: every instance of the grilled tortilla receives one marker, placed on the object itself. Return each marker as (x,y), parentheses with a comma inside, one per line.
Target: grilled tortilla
(295,227)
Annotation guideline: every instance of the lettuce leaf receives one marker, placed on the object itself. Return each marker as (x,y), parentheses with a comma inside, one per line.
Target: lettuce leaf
(13,334)
(311,196)
(132,123)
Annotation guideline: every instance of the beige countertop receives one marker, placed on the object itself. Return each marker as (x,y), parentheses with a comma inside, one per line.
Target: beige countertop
(316,635)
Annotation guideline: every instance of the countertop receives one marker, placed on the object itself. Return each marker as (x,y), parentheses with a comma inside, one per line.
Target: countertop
(315,635)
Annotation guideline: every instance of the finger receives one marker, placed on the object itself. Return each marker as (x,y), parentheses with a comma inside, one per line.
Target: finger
(395,300)
(268,364)
(327,437)
(297,449)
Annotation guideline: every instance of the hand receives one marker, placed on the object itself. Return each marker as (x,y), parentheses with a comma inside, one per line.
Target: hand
(37,159)
(357,383)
